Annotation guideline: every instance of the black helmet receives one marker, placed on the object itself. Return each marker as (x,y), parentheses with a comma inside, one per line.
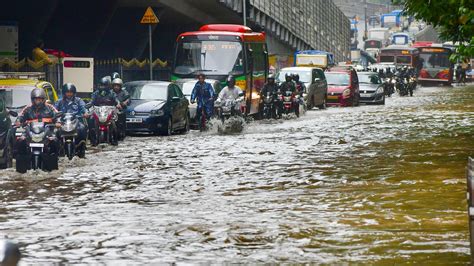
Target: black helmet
(69,87)
(296,77)
(231,81)
(288,76)
(104,83)
(37,93)
(115,75)
(271,78)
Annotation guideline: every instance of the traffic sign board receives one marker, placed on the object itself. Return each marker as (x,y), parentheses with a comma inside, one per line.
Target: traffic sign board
(149,17)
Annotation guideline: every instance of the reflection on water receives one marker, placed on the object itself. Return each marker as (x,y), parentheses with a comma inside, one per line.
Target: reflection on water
(374,184)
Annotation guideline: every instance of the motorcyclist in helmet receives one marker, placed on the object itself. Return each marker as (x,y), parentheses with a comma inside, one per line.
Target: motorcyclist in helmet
(289,85)
(70,103)
(124,99)
(274,89)
(204,94)
(39,111)
(103,96)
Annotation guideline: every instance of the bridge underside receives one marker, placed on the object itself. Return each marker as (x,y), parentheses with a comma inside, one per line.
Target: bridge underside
(110,28)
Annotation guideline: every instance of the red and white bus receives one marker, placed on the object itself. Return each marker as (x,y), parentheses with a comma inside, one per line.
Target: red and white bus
(435,65)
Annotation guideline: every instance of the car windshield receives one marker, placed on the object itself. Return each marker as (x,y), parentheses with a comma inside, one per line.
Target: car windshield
(369,79)
(17,97)
(211,57)
(148,91)
(337,78)
(305,75)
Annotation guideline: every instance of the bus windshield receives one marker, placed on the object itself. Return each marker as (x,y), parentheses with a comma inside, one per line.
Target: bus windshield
(435,60)
(210,57)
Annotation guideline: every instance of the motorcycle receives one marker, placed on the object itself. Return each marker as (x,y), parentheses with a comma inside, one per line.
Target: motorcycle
(105,128)
(288,99)
(68,136)
(401,85)
(388,86)
(269,109)
(412,83)
(37,147)
(228,109)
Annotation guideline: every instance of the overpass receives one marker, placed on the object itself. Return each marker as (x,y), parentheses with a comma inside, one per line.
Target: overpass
(110,28)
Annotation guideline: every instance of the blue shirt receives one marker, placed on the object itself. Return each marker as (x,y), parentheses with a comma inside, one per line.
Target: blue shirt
(204,93)
(75,105)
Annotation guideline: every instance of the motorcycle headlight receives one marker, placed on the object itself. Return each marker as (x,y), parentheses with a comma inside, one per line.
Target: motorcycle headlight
(394,81)
(103,118)
(67,127)
(37,137)
(157,113)
(287,98)
(346,93)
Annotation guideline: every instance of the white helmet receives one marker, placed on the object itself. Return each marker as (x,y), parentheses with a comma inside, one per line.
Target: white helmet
(117,81)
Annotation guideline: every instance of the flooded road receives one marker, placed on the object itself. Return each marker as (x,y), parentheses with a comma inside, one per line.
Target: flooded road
(372,184)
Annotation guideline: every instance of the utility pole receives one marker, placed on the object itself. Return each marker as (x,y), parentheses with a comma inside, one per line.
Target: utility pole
(365,19)
(244,6)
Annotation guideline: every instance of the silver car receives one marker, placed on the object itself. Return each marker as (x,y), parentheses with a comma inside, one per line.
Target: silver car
(187,86)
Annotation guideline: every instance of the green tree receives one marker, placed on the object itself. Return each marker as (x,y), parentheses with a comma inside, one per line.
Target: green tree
(453,18)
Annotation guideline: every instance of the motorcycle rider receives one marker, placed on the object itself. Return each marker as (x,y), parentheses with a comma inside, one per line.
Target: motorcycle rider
(274,89)
(300,88)
(39,110)
(229,92)
(103,96)
(124,99)
(204,94)
(70,103)
(289,85)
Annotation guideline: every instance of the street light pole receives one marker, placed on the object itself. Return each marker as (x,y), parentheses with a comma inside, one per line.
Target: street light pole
(244,6)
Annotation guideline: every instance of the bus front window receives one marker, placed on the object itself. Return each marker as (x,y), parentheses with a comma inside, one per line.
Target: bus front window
(435,60)
(405,60)
(210,57)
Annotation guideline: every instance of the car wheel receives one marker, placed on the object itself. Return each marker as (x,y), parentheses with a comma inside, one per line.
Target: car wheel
(186,125)
(7,157)
(169,127)
(323,105)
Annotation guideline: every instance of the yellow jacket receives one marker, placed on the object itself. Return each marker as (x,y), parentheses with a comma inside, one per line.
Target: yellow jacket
(40,55)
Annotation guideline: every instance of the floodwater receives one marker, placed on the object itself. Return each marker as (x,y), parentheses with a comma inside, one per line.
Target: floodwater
(369,185)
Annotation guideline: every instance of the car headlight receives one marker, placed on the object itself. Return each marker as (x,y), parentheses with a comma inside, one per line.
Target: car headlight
(157,113)
(379,90)
(346,93)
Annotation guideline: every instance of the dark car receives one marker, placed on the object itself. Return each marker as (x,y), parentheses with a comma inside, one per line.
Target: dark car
(371,88)
(6,151)
(156,107)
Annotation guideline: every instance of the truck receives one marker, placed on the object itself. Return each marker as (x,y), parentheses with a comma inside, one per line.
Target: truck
(9,41)
(314,58)
(381,34)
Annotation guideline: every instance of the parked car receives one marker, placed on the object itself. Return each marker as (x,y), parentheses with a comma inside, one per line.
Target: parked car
(371,88)
(6,140)
(315,82)
(187,86)
(156,107)
(343,87)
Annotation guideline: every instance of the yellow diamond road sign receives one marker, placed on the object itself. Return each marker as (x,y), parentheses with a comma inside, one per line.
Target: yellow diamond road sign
(149,17)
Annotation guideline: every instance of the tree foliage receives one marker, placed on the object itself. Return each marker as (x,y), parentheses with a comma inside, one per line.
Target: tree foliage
(453,18)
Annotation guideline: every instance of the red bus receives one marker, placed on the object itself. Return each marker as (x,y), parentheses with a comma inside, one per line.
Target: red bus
(220,50)
(400,55)
(435,64)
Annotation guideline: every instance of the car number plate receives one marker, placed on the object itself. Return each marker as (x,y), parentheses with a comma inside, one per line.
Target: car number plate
(134,120)
(365,95)
(333,97)
(36,145)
